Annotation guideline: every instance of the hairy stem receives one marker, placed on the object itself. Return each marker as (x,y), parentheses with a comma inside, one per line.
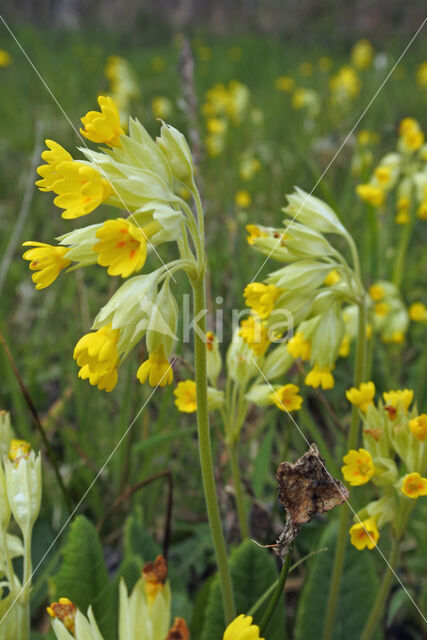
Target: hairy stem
(238,491)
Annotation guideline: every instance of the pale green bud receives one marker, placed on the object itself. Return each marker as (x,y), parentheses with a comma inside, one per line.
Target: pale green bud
(60,631)
(260,395)
(215,399)
(326,338)
(241,361)
(81,243)
(177,152)
(163,321)
(420,181)
(305,242)
(277,362)
(304,274)
(213,358)
(137,619)
(313,212)
(383,510)
(24,489)
(385,472)
(87,629)
(6,432)
(170,220)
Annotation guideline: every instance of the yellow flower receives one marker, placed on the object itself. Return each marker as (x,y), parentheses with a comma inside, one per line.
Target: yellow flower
(64,610)
(154,575)
(371,194)
(216,126)
(332,278)
(261,297)
(185,393)
(402,217)
(80,189)
(376,292)
(47,260)
(18,449)
(365,534)
(404,396)
(320,377)
(422,75)
(381,309)
(161,107)
(97,356)
(418,312)
(344,349)
(422,210)
(53,155)
(103,126)
(299,347)
(363,396)
(242,629)
(418,427)
(156,369)
(285,83)
(358,468)
(414,485)
(383,175)
(123,246)
(362,54)
(286,398)
(345,84)
(242,199)
(5,58)
(255,334)
(254,233)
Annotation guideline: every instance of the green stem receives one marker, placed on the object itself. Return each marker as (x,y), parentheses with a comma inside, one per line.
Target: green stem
(277,594)
(238,491)
(353,436)
(205,448)
(399,264)
(373,245)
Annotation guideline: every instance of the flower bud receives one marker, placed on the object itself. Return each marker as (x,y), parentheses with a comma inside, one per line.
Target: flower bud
(259,394)
(241,361)
(326,338)
(277,362)
(163,321)
(24,488)
(81,243)
(313,212)
(176,150)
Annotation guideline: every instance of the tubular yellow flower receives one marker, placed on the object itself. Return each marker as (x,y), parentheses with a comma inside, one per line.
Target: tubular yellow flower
(97,355)
(64,610)
(123,246)
(320,377)
(363,396)
(371,194)
(242,629)
(358,468)
(185,393)
(156,369)
(418,312)
(404,396)
(418,427)
(104,126)
(80,189)
(261,297)
(414,485)
(332,278)
(365,534)
(53,155)
(286,398)
(242,199)
(255,334)
(299,347)
(47,260)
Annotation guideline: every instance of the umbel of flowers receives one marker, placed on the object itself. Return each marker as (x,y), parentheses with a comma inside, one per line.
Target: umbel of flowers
(305,299)
(393,458)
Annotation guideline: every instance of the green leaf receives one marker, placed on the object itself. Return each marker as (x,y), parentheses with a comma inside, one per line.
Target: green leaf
(253,570)
(83,577)
(358,591)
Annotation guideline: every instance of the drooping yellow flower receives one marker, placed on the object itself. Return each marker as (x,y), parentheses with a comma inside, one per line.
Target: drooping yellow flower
(365,534)
(393,398)
(64,610)
(418,427)
(320,377)
(47,261)
(332,278)
(80,189)
(261,297)
(185,393)
(363,396)
(104,126)
(286,398)
(255,334)
(371,194)
(242,199)
(122,246)
(156,369)
(418,312)
(96,353)
(18,449)
(376,292)
(5,58)
(362,54)
(299,347)
(358,468)
(414,485)
(242,629)
(254,232)
(53,156)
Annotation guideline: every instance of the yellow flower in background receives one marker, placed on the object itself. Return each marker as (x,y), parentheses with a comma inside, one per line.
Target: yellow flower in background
(242,199)
(332,278)
(344,349)
(362,54)
(422,75)
(364,534)
(216,126)
(376,292)
(320,377)
(358,468)
(383,175)
(381,309)
(325,63)
(414,485)
(299,347)
(64,610)
(261,298)
(418,427)
(363,396)
(365,137)
(97,356)
(104,126)
(345,84)
(411,135)
(80,189)
(123,246)
(422,210)
(401,396)
(285,83)
(371,194)
(255,334)
(156,369)
(5,58)
(161,107)
(185,393)
(53,156)
(47,260)
(418,312)
(242,629)
(286,398)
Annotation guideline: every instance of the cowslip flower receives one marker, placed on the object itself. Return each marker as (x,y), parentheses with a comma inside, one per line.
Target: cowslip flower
(365,534)
(376,292)
(156,369)
(320,377)
(103,126)
(261,298)
(401,396)
(299,347)
(286,398)
(371,194)
(242,629)
(242,199)
(80,189)
(418,427)
(414,485)
(97,356)
(53,156)
(185,394)
(47,261)
(363,396)
(418,312)
(362,54)
(255,334)
(358,468)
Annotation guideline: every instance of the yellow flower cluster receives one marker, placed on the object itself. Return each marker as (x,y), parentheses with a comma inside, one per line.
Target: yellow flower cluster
(224,105)
(123,86)
(387,312)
